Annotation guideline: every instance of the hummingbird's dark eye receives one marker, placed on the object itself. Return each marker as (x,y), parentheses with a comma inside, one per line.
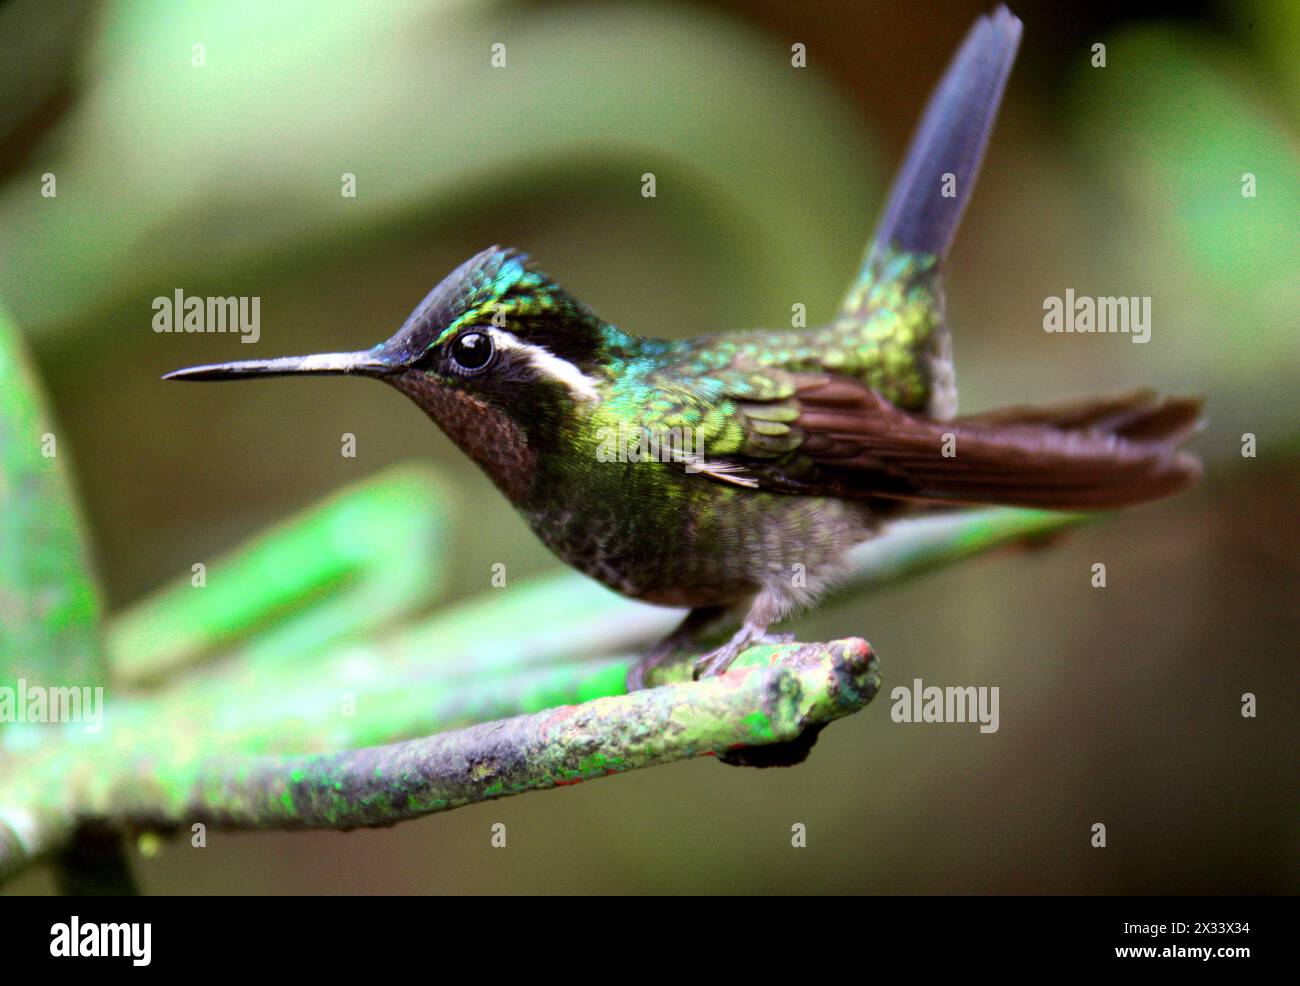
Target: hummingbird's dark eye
(471,351)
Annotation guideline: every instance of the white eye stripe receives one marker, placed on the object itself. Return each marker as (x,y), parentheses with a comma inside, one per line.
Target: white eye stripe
(548,364)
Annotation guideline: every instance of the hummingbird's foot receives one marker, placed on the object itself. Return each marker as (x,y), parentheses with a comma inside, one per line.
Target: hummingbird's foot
(772,604)
(638,674)
(684,638)
(717,662)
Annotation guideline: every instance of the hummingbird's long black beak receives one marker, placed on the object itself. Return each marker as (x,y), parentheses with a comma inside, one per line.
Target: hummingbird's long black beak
(364,364)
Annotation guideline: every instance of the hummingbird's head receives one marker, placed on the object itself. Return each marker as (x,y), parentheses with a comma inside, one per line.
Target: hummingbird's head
(498,354)
(500,329)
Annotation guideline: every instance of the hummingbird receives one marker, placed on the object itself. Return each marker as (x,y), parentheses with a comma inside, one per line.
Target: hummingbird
(771,453)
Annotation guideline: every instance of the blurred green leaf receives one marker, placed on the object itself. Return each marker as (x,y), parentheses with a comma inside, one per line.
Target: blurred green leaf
(356,562)
(49,603)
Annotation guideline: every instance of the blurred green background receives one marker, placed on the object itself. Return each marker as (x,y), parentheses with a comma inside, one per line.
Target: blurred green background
(1119,705)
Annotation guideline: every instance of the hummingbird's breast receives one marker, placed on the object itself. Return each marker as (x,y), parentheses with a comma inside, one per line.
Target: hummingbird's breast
(653,532)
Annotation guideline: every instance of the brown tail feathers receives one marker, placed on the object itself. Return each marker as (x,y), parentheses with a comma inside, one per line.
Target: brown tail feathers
(1089,454)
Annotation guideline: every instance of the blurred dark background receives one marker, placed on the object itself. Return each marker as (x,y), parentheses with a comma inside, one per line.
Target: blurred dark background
(1119,705)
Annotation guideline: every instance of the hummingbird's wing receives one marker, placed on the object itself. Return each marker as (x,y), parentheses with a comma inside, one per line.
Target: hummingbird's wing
(827,435)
